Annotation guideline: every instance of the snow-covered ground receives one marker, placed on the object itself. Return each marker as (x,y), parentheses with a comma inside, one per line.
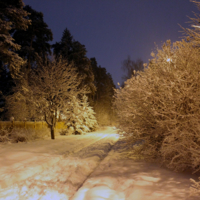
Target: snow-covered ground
(119,177)
(86,164)
(21,174)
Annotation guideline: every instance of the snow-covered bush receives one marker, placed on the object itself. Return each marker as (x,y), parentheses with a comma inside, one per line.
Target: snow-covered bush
(15,135)
(80,118)
(160,107)
(63,132)
(89,119)
(195,188)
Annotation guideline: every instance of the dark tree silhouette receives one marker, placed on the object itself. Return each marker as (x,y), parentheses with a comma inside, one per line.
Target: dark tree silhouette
(35,40)
(102,100)
(74,52)
(130,67)
(12,16)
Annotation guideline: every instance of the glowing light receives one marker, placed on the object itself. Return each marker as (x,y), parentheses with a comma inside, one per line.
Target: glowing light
(169,59)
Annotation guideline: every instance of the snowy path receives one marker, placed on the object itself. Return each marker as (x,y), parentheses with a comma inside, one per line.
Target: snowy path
(81,155)
(97,170)
(119,177)
(59,146)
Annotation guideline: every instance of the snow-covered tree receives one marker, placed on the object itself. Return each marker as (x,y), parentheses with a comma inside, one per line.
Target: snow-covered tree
(89,119)
(74,51)
(52,86)
(193,33)
(80,118)
(159,108)
(34,40)
(12,16)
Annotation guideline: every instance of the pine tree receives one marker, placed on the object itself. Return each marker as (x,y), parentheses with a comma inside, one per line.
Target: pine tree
(74,52)
(80,118)
(12,16)
(89,119)
(74,117)
(35,48)
(64,47)
(34,40)
(102,100)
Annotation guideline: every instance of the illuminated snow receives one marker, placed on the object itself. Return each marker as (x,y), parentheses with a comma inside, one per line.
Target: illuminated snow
(116,178)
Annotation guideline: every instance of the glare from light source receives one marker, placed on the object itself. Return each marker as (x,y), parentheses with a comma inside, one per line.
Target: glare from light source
(169,59)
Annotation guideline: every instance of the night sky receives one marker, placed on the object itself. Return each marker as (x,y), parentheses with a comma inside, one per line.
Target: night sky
(113,29)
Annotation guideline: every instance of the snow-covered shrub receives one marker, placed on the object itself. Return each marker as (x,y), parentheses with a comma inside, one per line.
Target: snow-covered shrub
(80,117)
(79,131)
(4,135)
(160,107)
(195,188)
(71,130)
(15,135)
(63,132)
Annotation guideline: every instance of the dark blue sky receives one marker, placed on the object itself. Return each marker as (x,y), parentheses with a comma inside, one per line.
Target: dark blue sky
(113,29)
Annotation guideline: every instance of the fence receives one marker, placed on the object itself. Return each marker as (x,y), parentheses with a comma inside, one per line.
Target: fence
(30,125)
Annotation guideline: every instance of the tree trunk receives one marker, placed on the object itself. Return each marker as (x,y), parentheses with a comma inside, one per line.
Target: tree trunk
(52,133)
